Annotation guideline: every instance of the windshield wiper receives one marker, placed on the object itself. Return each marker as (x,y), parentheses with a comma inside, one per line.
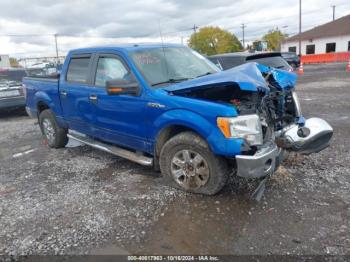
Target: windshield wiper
(171,80)
(207,73)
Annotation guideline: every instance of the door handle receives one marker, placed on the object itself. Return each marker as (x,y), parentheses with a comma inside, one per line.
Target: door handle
(64,93)
(93,98)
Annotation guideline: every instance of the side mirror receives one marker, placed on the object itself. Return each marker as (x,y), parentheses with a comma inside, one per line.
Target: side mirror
(122,87)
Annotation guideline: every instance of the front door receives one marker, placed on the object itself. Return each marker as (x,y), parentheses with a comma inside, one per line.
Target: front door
(119,118)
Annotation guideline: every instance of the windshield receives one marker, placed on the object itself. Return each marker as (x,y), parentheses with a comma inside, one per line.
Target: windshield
(172,64)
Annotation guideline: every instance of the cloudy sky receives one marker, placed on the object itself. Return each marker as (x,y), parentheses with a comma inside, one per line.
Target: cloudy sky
(27,27)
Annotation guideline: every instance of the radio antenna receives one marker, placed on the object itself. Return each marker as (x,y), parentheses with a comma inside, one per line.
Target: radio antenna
(161,39)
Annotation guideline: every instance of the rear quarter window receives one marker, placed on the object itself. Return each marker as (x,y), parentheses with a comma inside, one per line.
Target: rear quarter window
(78,70)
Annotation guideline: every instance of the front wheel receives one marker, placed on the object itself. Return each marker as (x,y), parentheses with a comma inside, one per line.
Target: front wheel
(56,136)
(187,162)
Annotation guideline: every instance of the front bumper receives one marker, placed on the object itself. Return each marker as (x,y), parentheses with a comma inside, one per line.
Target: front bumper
(264,162)
(12,102)
(314,136)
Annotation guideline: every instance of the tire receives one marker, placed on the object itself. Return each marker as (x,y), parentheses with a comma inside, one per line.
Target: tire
(56,136)
(204,174)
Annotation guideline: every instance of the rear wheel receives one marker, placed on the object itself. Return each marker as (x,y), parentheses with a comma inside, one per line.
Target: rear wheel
(56,136)
(187,162)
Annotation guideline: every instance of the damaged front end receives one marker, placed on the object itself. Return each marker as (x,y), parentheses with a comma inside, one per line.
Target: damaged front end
(282,109)
(284,127)
(269,121)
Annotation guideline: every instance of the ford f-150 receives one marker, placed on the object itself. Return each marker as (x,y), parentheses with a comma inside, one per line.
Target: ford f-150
(166,106)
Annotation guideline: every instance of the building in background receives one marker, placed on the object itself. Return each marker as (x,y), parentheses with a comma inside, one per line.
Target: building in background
(4,61)
(327,38)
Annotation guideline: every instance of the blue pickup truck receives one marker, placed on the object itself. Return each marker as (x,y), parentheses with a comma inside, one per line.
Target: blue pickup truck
(168,107)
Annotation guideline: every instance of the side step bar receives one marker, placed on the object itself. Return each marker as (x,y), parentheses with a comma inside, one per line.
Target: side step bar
(124,153)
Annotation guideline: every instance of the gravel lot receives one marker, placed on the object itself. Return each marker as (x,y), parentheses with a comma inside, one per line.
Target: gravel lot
(78,200)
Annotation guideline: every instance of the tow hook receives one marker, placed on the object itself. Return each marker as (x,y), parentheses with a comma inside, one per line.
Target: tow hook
(303,132)
(259,191)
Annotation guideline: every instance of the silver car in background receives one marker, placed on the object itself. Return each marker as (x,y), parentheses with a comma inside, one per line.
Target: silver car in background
(11,91)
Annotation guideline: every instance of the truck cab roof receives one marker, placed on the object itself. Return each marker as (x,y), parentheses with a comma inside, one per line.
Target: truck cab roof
(123,47)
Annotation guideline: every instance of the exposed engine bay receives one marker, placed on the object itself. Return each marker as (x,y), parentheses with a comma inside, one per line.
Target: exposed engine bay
(277,108)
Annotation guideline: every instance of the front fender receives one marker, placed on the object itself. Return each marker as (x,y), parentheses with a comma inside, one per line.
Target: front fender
(209,131)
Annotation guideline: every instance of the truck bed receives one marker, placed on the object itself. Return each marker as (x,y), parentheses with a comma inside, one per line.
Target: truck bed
(42,88)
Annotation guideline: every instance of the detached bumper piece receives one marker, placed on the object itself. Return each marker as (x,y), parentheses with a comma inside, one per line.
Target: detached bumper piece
(261,164)
(313,137)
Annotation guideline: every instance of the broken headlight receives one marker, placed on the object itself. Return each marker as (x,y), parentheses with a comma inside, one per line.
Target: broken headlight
(247,127)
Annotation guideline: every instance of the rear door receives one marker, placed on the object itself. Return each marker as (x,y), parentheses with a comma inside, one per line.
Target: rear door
(77,95)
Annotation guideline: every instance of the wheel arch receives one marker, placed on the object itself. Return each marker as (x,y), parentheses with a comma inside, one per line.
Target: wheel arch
(170,131)
(173,122)
(176,121)
(41,106)
(42,102)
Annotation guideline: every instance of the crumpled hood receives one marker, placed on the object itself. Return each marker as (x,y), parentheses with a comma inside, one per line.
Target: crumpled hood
(247,76)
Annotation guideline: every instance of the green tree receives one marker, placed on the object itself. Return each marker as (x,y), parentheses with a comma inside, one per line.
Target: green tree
(213,40)
(274,39)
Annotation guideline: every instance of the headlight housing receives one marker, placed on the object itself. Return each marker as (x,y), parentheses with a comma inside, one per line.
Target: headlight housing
(247,127)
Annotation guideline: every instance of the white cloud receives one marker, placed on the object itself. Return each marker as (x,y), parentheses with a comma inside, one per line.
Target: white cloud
(121,21)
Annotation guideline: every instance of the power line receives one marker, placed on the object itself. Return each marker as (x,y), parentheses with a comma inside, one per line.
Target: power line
(264,24)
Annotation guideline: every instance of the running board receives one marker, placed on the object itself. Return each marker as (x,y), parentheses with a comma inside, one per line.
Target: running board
(124,153)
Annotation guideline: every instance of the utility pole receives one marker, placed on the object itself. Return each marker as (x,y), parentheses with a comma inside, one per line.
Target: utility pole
(195,35)
(57,61)
(299,28)
(243,26)
(333,6)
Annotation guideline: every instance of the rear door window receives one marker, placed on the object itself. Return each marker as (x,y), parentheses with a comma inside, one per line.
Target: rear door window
(78,70)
